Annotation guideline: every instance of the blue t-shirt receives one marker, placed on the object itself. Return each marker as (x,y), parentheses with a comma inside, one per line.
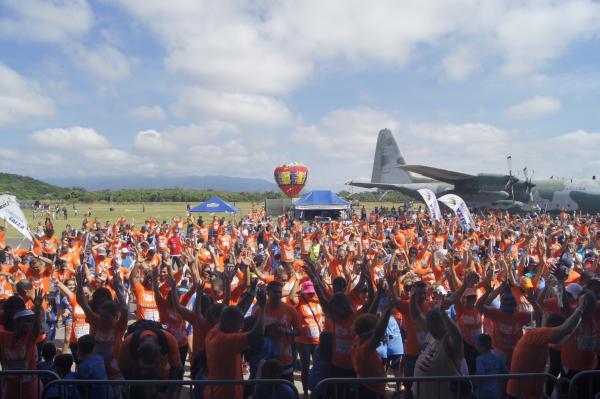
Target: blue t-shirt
(392,341)
(92,368)
(488,364)
(70,391)
(319,371)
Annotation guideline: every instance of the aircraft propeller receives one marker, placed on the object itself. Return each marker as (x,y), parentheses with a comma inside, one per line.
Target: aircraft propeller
(528,184)
(510,183)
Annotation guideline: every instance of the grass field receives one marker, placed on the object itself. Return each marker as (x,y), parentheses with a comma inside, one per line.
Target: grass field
(133,212)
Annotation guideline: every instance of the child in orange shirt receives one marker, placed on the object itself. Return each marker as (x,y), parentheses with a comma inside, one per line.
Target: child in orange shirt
(368,333)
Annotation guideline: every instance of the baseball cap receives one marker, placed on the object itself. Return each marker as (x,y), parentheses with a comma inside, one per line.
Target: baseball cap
(441,290)
(308,287)
(526,282)
(23,313)
(101,251)
(574,289)
(124,251)
(470,292)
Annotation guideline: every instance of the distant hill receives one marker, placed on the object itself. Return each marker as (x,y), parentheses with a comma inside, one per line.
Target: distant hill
(24,187)
(216,183)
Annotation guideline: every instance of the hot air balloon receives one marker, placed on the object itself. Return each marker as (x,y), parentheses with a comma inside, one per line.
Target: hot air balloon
(291,178)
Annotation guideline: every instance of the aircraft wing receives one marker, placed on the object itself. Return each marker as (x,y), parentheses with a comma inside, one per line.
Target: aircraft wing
(381,186)
(446,176)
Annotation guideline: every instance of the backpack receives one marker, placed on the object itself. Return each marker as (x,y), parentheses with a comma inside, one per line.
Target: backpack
(140,326)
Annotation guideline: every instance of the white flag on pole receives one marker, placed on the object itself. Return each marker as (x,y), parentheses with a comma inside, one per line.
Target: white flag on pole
(12,213)
(432,204)
(460,209)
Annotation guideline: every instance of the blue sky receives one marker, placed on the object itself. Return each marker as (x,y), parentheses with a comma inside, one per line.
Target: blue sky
(195,87)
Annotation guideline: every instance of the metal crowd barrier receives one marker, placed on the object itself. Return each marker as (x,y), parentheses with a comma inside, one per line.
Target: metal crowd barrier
(21,384)
(588,388)
(347,388)
(89,389)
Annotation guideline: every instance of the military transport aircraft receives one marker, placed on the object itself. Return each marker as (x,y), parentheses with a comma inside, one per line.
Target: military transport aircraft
(491,191)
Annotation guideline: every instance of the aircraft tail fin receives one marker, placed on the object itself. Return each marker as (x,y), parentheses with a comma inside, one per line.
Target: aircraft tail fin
(387,159)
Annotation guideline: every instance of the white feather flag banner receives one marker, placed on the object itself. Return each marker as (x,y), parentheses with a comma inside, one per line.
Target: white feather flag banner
(460,209)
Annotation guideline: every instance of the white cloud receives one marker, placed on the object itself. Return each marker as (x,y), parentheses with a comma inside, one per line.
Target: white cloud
(70,139)
(473,146)
(103,61)
(534,107)
(111,157)
(152,142)
(54,21)
(147,113)
(345,133)
(21,99)
(272,47)
(238,108)
(201,132)
(531,34)
(460,64)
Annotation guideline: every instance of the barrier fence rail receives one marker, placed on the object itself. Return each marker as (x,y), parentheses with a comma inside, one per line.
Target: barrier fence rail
(350,388)
(585,384)
(24,384)
(27,384)
(133,389)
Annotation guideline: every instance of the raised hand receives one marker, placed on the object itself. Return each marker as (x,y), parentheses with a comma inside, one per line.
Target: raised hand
(261,297)
(39,297)
(470,279)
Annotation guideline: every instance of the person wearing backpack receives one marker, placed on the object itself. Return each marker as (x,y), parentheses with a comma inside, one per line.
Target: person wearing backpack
(150,352)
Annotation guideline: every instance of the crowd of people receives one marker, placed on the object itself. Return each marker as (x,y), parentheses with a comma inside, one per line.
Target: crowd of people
(385,293)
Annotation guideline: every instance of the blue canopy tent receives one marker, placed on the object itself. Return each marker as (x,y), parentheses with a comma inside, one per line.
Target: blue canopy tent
(215,205)
(321,203)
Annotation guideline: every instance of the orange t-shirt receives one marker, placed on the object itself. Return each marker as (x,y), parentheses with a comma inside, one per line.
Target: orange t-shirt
(287,251)
(310,317)
(40,279)
(49,245)
(108,342)
(305,247)
(415,335)
(173,320)
(342,340)
(224,243)
(367,363)
(6,289)
(200,329)
(145,304)
(469,323)
(508,329)
(79,326)
(529,356)
(286,316)
(336,268)
(580,351)
(18,355)
(224,360)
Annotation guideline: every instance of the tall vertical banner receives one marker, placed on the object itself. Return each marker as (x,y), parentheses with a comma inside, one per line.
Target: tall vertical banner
(460,209)
(12,213)
(432,204)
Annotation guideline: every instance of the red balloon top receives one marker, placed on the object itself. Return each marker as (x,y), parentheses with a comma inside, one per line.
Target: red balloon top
(291,178)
